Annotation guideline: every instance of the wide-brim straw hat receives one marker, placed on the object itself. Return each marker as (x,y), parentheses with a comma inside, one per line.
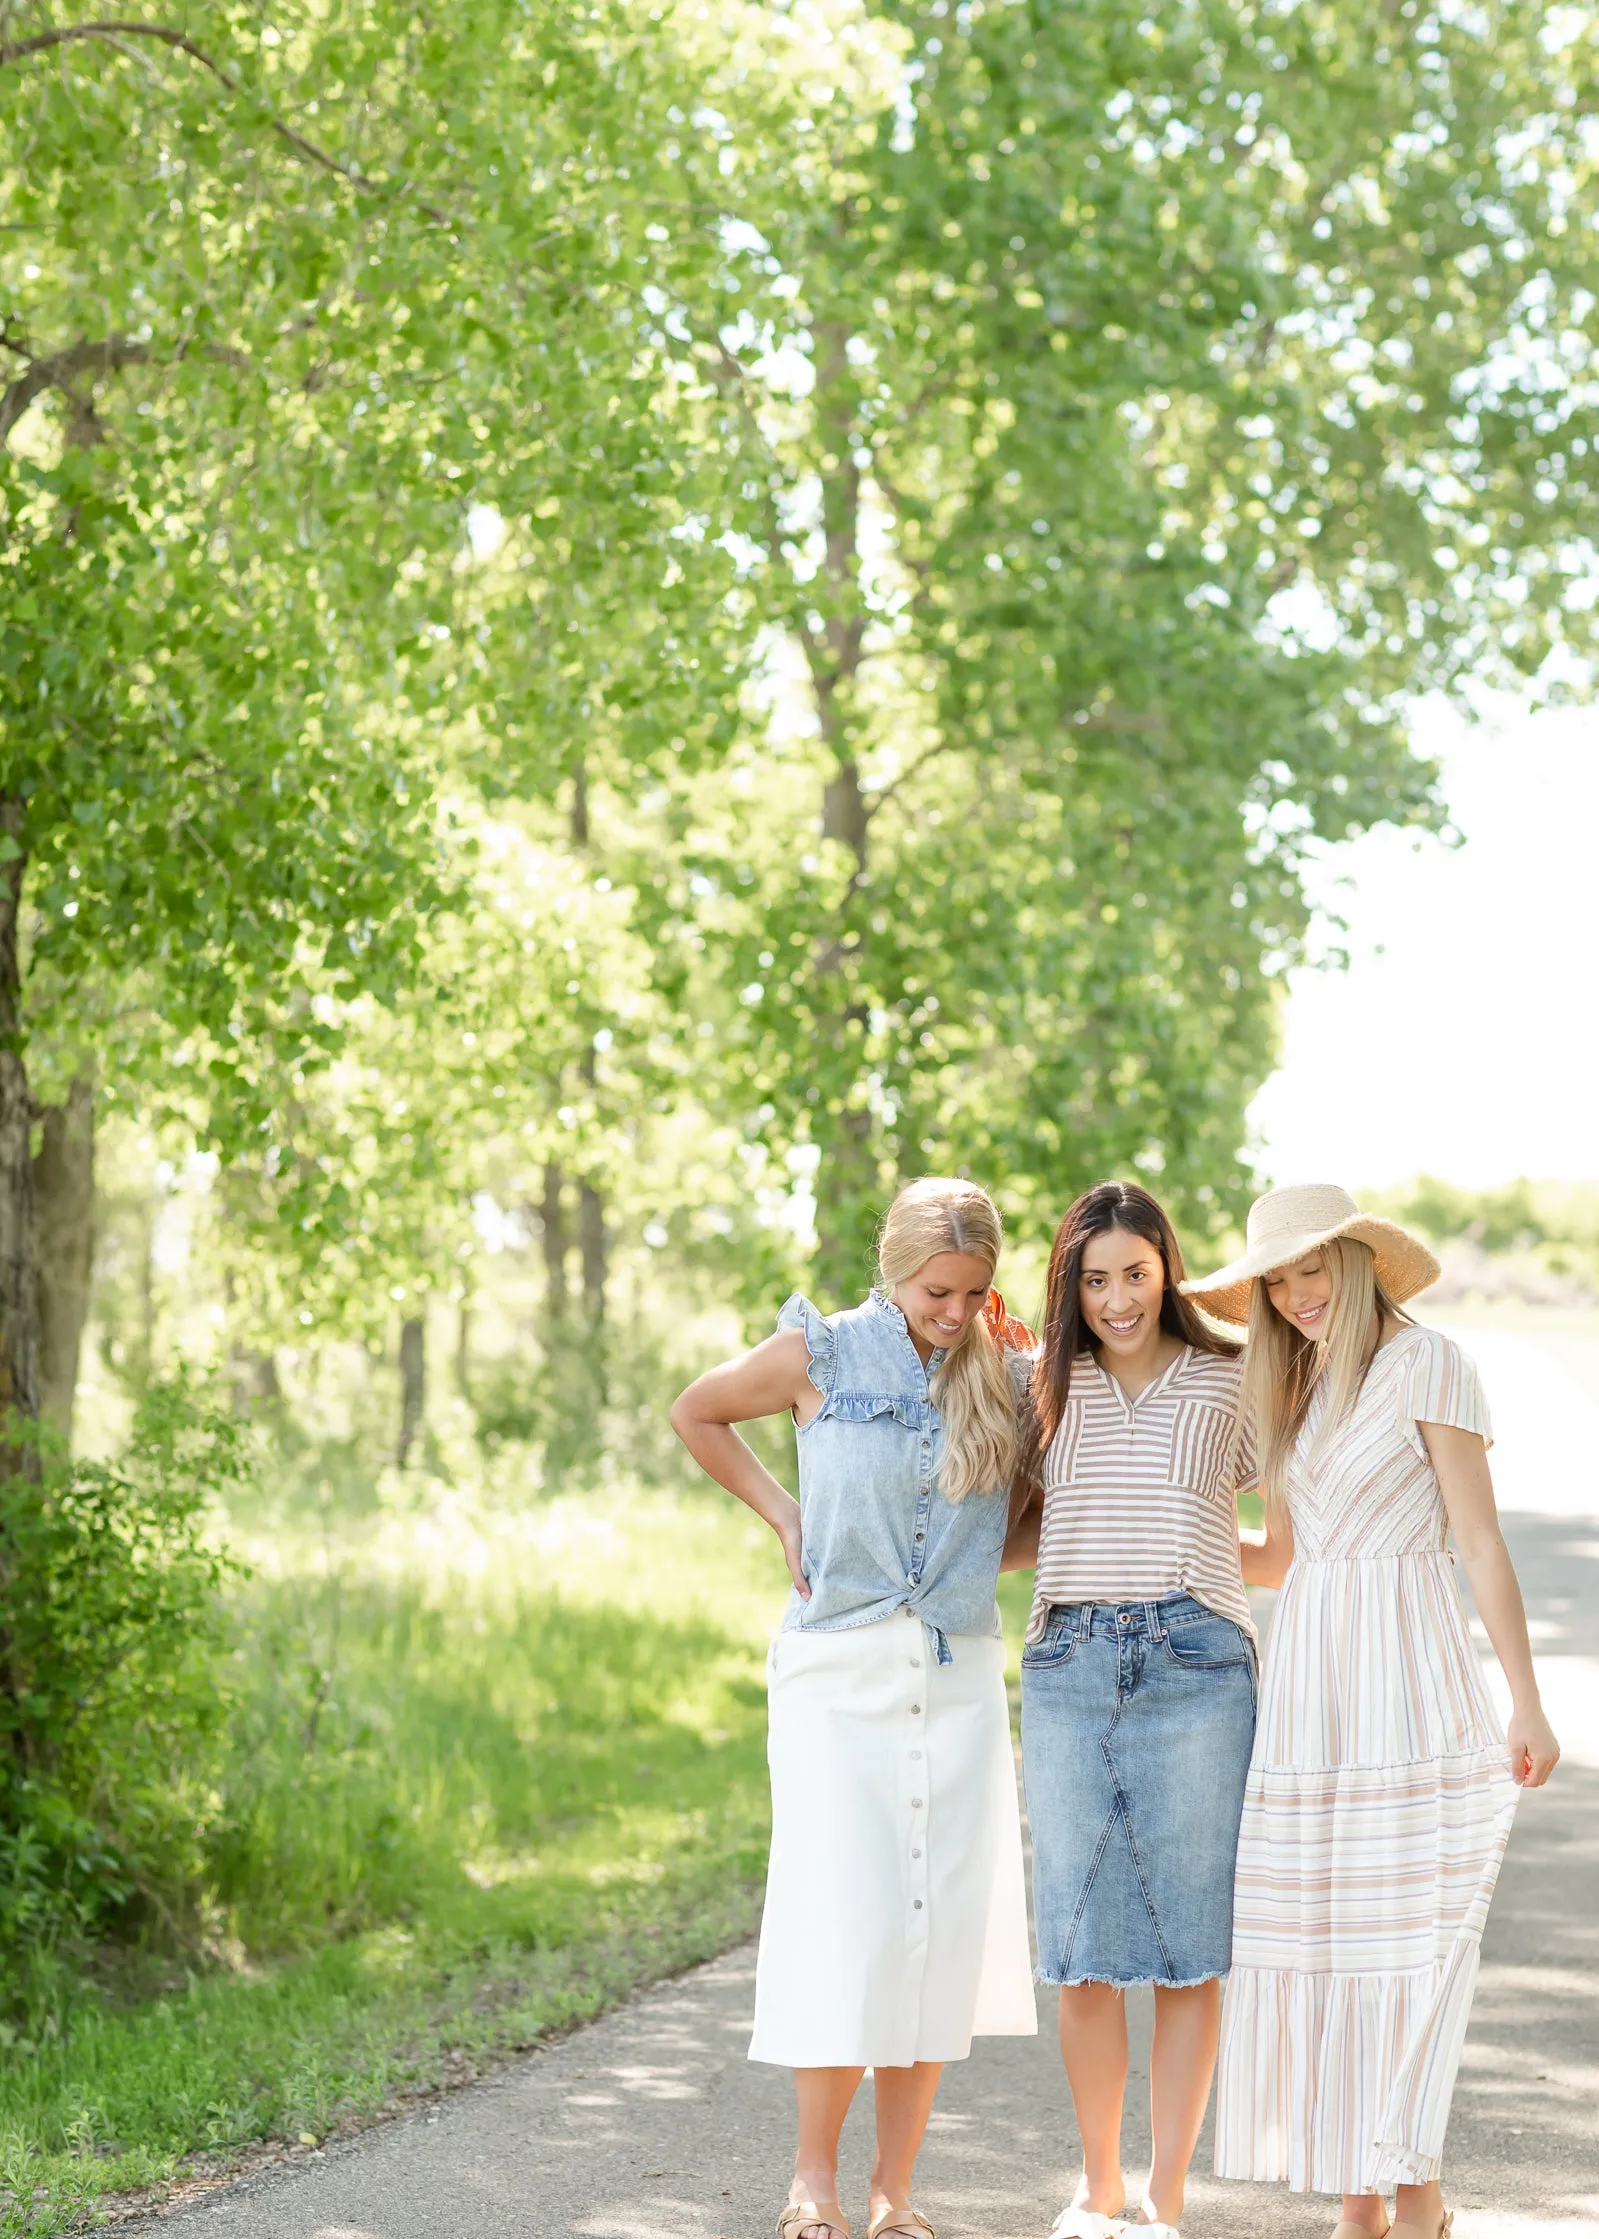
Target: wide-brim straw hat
(1287,1223)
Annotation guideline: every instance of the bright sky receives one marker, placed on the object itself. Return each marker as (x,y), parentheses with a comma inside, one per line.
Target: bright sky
(1463,1040)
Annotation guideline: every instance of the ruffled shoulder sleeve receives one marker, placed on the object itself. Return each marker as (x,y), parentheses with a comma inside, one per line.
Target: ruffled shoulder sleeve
(821,1340)
(1440,1384)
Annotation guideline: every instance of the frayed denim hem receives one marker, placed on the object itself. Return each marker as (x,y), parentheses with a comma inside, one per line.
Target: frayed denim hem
(1128,1982)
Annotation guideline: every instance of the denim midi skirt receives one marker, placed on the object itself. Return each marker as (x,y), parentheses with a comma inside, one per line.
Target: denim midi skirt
(1137,1723)
(895,1927)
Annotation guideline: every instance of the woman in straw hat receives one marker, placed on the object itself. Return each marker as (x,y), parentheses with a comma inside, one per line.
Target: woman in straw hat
(1380,1793)
(895,1926)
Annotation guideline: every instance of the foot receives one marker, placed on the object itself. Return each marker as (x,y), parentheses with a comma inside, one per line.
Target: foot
(824,2217)
(1096,2212)
(893,2219)
(1365,2216)
(1150,2222)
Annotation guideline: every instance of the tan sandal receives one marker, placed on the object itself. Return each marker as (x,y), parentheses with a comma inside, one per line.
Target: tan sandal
(1415,2231)
(899,2219)
(805,2215)
(1347,2230)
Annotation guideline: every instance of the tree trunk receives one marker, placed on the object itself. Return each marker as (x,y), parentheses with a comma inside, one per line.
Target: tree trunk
(63,1190)
(847,1179)
(413,1383)
(19,1289)
(463,1348)
(552,1214)
(594,1244)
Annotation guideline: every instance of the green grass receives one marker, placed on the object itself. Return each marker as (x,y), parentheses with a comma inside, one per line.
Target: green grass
(494,1770)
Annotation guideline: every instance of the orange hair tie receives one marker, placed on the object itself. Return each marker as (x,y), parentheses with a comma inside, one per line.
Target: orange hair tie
(1007,1330)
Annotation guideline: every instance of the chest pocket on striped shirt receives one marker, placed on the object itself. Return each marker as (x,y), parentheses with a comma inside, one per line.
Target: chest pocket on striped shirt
(1201,1446)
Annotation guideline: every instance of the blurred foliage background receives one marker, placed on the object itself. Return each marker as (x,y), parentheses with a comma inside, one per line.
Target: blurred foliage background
(621,625)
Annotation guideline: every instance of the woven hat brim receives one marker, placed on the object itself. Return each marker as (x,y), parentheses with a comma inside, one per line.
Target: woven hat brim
(1404,1265)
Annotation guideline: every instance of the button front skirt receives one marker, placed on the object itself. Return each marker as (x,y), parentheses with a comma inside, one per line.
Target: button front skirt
(895,1927)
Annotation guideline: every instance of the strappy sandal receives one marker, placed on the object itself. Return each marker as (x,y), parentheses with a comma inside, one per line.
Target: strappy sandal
(1154,2229)
(899,2219)
(1344,2229)
(804,2215)
(1415,2231)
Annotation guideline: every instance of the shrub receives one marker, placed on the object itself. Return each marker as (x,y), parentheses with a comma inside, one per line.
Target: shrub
(111,1696)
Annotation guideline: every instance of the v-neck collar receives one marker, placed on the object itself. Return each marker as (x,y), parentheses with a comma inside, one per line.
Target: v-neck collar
(1131,1402)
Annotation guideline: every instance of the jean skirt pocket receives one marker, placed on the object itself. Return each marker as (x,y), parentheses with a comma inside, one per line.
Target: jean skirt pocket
(1208,1643)
(1054,1646)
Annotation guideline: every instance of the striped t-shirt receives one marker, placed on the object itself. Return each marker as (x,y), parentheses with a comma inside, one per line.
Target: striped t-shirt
(1141,1495)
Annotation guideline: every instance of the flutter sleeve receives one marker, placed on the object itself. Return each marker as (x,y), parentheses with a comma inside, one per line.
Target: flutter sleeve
(798,1313)
(1441,1385)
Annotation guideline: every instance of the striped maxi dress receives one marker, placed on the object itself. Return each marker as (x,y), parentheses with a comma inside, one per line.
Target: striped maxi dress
(1376,1814)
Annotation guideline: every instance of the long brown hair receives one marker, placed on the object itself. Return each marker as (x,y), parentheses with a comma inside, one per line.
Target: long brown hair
(1106,1206)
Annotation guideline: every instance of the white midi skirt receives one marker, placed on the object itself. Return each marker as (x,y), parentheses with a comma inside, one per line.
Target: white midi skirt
(895,1927)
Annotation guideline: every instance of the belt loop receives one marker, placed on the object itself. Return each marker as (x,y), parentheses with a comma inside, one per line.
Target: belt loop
(1157,1631)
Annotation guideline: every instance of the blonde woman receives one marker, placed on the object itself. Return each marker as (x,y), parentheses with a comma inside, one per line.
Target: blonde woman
(1380,1793)
(895,1926)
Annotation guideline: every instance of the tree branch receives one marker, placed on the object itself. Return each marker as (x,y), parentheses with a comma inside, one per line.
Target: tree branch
(58,371)
(732,379)
(18,50)
(911,771)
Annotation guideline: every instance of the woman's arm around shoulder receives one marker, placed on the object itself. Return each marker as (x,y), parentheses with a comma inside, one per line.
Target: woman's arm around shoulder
(772,1379)
(1460,1462)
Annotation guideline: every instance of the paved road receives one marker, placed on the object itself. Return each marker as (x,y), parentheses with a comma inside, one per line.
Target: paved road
(653,2125)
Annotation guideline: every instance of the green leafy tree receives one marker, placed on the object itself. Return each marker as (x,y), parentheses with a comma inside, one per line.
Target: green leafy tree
(296,317)
(1129,408)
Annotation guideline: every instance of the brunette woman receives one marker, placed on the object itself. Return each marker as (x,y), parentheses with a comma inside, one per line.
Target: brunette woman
(1138,1683)
(1382,1790)
(895,1925)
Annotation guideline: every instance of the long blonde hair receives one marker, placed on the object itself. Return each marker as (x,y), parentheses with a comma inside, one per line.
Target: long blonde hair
(972,1390)
(1282,1366)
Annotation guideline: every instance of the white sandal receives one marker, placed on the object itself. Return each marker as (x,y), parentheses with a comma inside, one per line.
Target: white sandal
(1154,2229)
(1087,2223)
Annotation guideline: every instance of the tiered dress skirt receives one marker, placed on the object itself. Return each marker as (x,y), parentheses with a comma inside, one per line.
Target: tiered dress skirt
(1377,1809)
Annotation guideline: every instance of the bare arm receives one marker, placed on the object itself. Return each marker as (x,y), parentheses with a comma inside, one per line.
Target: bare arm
(1461,1461)
(1021,1541)
(1264,1556)
(774,1379)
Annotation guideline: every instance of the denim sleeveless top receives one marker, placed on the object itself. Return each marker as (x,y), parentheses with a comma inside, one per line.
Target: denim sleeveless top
(878,1534)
